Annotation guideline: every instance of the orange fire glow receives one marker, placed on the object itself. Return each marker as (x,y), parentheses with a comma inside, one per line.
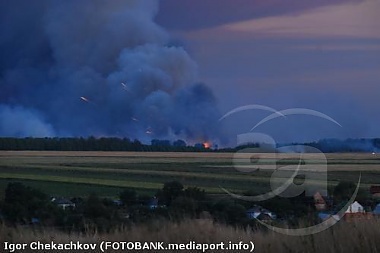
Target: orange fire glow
(207,144)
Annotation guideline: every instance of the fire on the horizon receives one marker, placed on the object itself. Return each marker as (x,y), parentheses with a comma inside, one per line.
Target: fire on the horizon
(207,144)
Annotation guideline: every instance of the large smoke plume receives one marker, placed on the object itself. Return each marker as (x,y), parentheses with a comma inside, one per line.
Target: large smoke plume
(103,68)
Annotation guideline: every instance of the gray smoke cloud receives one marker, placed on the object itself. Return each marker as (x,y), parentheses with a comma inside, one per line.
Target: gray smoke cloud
(22,122)
(103,68)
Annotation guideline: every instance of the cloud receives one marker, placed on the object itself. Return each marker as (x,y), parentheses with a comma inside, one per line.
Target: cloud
(195,15)
(93,68)
(21,122)
(339,47)
(360,20)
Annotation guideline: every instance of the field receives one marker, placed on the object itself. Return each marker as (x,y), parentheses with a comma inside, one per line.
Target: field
(107,173)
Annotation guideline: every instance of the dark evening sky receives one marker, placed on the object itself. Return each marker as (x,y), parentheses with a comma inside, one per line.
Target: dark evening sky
(321,55)
(170,69)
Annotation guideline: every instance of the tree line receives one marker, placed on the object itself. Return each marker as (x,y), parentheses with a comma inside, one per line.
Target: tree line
(96,144)
(126,144)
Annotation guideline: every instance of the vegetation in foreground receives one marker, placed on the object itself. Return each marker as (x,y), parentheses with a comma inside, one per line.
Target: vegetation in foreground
(363,236)
(29,207)
(99,218)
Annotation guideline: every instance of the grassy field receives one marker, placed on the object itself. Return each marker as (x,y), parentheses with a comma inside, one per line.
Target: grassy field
(363,236)
(107,173)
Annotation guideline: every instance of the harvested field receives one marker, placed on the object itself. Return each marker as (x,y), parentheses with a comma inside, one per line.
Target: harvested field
(85,172)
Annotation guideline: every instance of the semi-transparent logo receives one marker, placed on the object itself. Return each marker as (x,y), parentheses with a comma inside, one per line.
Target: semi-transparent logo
(308,163)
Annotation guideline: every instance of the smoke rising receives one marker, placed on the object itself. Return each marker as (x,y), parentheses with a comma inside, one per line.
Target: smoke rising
(103,68)
(32,123)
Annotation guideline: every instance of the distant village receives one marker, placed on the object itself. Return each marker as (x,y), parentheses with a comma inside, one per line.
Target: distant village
(27,206)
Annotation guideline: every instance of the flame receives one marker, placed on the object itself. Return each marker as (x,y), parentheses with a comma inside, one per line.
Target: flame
(207,144)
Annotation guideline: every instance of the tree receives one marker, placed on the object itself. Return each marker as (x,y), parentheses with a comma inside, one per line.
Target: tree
(171,191)
(195,193)
(94,207)
(22,203)
(184,206)
(343,191)
(128,197)
(226,210)
(179,143)
(103,217)
(235,214)
(190,202)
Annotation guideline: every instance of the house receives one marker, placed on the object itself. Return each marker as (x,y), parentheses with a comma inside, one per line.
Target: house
(328,216)
(63,203)
(254,212)
(264,217)
(153,203)
(319,202)
(376,210)
(117,202)
(375,191)
(356,212)
(355,208)
(35,221)
(260,213)
(324,216)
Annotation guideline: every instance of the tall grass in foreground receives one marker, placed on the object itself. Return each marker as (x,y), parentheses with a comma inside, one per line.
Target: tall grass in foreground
(361,236)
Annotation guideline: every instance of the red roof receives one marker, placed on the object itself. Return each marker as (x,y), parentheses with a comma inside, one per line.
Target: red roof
(374,189)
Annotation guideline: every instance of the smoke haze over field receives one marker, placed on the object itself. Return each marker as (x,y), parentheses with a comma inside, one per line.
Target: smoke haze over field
(70,68)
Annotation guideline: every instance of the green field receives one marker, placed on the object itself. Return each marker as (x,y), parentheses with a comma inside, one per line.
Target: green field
(107,173)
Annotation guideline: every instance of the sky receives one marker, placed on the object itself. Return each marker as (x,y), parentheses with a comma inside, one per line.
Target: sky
(171,69)
(320,55)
